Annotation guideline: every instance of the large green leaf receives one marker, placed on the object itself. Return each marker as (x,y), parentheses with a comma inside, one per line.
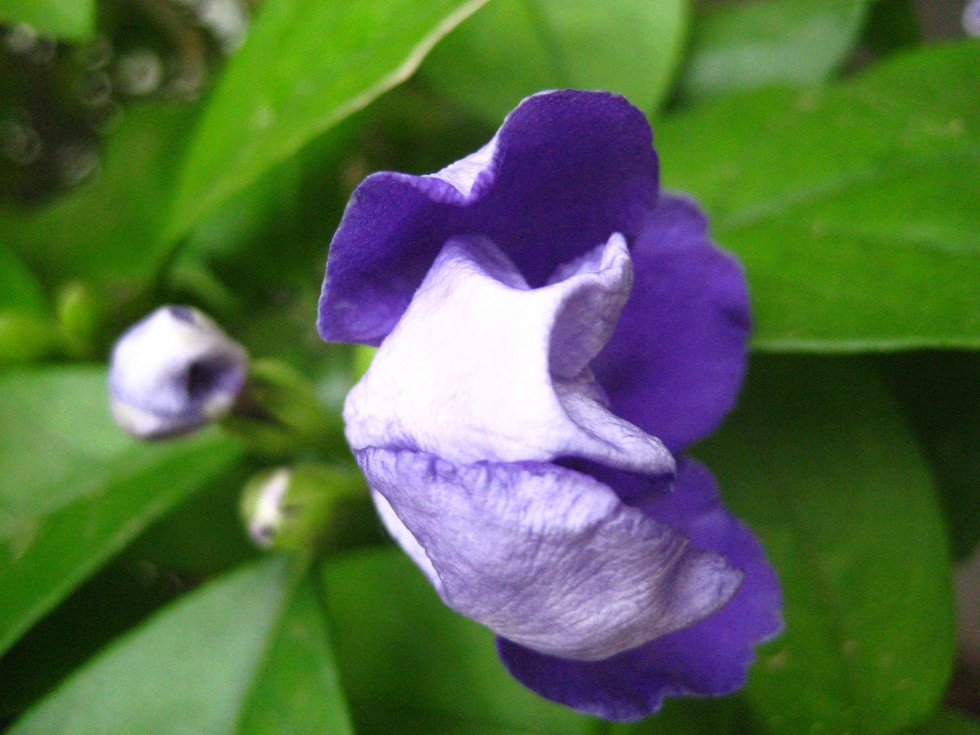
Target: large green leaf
(227,260)
(447,677)
(515,48)
(892,25)
(109,230)
(694,716)
(27,332)
(71,20)
(748,45)
(940,395)
(76,489)
(298,689)
(852,207)
(242,656)
(818,460)
(949,722)
(304,67)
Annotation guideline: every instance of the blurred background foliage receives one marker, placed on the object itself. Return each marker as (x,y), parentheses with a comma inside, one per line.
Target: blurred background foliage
(202,151)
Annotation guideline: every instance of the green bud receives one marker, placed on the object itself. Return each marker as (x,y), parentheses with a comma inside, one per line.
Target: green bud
(79,314)
(26,337)
(308,508)
(279,413)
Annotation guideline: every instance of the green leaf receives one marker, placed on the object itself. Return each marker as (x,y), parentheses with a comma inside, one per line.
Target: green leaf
(297,690)
(447,677)
(892,25)
(515,48)
(853,207)
(70,20)
(949,722)
(304,67)
(749,45)
(76,489)
(817,459)
(693,716)
(425,725)
(204,536)
(27,331)
(110,230)
(295,204)
(119,596)
(940,395)
(240,656)
(18,287)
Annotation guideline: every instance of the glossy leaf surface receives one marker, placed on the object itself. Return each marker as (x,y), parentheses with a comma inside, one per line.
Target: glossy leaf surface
(853,208)
(76,489)
(818,460)
(515,48)
(217,662)
(304,68)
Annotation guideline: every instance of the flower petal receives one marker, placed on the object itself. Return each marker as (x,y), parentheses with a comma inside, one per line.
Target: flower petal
(565,171)
(544,555)
(676,360)
(708,658)
(514,358)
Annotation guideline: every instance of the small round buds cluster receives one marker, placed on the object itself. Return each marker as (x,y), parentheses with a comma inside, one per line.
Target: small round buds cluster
(173,372)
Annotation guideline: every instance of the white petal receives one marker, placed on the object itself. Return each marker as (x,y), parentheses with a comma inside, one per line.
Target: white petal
(482,367)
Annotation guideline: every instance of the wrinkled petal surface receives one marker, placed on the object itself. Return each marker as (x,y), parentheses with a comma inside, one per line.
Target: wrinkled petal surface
(676,360)
(482,367)
(710,657)
(543,555)
(565,171)
(172,372)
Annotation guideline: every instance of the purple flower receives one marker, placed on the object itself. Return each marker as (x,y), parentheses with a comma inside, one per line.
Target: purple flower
(553,331)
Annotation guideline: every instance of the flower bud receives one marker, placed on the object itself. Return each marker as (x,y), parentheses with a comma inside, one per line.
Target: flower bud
(173,372)
(308,507)
(79,313)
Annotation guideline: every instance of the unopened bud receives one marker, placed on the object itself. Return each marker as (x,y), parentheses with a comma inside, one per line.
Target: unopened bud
(173,372)
(79,314)
(310,507)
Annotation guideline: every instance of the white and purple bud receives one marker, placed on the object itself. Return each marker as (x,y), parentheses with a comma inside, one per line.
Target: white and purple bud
(173,372)
(308,507)
(264,506)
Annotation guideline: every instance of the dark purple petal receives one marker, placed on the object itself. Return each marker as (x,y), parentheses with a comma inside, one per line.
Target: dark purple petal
(565,171)
(675,362)
(544,555)
(710,657)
